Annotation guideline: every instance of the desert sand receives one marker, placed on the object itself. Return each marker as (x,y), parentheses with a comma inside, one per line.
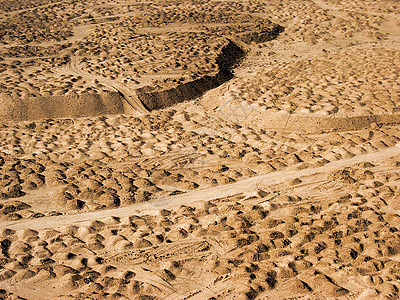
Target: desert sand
(199,150)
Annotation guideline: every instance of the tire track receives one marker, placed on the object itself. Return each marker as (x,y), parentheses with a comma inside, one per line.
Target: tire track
(245,185)
(132,102)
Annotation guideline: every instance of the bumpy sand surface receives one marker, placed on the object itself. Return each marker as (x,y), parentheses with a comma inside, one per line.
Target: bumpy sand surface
(53,53)
(280,179)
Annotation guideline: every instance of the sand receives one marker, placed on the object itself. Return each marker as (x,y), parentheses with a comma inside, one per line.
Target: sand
(103,54)
(205,150)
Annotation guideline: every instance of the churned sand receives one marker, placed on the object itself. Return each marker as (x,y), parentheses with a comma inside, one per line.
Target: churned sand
(205,150)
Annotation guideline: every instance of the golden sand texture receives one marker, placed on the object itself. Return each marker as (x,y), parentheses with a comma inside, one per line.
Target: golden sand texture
(328,70)
(68,49)
(281,183)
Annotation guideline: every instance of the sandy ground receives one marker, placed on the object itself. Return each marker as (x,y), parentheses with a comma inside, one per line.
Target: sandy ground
(281,183)
(67,48)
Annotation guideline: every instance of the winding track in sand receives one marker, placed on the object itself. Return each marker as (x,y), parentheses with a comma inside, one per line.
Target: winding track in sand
(131,99)
(207,194)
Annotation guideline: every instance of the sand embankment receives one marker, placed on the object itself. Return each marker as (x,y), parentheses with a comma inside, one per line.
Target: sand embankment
(80,105)
(12,109)
(230,54)
(296,122)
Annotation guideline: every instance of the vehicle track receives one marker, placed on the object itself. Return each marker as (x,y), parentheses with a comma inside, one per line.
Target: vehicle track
(245,185)
(132,102)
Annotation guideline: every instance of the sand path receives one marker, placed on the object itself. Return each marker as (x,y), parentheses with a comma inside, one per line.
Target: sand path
(243,186)
(132,102)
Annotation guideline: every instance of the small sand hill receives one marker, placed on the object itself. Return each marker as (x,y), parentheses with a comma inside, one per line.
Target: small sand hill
(11,109)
